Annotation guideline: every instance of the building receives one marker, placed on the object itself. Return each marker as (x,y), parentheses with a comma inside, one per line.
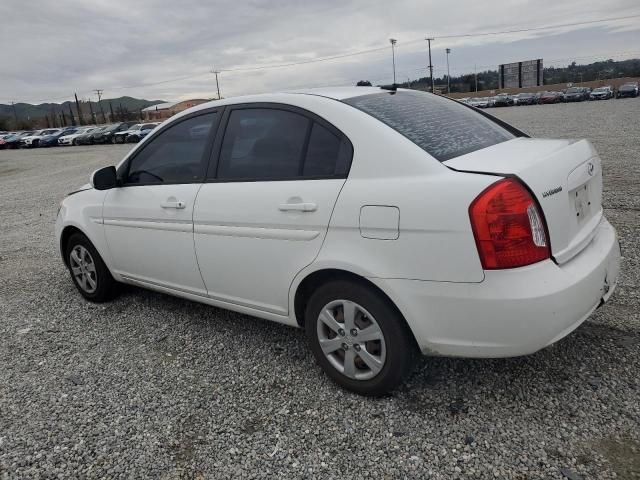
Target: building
(162,111)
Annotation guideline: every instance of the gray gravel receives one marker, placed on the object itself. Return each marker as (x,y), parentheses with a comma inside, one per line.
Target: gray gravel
(151,386)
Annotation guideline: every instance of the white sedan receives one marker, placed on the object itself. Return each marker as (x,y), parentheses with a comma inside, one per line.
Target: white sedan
(383,222)
(34,139)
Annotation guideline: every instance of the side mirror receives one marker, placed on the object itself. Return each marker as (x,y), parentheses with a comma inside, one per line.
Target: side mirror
(105,178)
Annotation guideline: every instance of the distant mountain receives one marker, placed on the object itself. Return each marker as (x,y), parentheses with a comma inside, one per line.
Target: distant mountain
(36,114)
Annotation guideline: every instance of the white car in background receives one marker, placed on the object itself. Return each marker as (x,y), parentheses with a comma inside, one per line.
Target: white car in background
(385,223)
(71,139)
(34,140)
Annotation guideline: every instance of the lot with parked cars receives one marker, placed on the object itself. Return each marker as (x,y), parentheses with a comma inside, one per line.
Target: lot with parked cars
(571,94)
(153,386)
(121,132)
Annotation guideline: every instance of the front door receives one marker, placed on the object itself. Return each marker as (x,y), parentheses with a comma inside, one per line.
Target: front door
(148,221)
(263,216)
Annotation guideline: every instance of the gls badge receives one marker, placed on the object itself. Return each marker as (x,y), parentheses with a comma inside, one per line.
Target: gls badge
(553,191)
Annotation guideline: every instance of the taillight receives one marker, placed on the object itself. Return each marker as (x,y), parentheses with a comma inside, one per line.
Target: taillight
(508,226)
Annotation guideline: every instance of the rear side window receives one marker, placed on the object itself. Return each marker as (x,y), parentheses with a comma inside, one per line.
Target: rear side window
(275,144)
(328,154)
(441,127)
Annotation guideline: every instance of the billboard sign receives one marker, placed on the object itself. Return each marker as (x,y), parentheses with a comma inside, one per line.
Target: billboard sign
(521,74)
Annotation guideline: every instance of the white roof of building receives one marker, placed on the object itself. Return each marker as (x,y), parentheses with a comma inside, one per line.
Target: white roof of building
(160,106)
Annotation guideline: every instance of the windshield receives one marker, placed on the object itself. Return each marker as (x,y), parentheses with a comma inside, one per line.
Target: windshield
(600,89)
(442,128)
(525,95)
(574,90)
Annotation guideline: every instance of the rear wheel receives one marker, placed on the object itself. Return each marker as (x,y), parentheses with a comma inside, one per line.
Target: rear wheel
(88,271)
(359,339)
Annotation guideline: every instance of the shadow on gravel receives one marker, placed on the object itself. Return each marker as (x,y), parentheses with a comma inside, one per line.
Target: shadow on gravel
(437,383)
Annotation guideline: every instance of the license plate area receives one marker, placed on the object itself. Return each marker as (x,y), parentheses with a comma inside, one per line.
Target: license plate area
(580,197)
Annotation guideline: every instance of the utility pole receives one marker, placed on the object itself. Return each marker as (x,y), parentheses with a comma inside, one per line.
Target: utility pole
(448,50)
(216,72)
(80,121)
(393,42)
(99,93)
(475,68)
(93,115)
(430,64)
(73,121)
(111,110)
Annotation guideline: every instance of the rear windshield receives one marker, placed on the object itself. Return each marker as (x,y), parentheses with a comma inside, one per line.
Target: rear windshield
(441,127)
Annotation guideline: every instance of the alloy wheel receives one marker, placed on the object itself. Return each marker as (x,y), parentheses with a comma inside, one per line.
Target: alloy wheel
(351,339)
(83,269)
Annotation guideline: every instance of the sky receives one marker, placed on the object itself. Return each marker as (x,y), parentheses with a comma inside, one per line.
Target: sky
(166,49)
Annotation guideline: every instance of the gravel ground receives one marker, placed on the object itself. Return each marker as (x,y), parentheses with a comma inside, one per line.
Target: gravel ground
(151,386)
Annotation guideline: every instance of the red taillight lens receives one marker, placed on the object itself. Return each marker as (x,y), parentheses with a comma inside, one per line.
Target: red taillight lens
(508,226)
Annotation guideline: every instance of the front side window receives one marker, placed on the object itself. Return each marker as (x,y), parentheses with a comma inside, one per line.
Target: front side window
(442,128)
(176,155)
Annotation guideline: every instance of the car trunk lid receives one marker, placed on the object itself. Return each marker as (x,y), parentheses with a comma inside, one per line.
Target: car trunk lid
(565,176)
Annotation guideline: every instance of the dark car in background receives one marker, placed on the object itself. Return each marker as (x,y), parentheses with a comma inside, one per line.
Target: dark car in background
(601,93)
(87,137)
(550,97)
(526,98)
(502,100)
(139,134)
(107,133)
(629,89)
(133,131)
(577,94)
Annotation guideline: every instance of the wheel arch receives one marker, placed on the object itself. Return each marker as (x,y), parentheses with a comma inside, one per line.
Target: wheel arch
(66,234)
(313,280)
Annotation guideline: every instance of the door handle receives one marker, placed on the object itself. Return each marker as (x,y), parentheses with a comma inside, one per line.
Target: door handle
(175,204)
(298,207)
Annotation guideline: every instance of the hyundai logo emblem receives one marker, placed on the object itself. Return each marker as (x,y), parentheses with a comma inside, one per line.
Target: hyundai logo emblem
(590,168)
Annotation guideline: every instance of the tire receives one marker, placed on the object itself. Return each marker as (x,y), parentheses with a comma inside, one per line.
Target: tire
(84,261)
(74,142)
(392,352)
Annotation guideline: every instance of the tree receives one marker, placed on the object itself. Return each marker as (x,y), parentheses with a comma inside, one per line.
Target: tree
(363,83)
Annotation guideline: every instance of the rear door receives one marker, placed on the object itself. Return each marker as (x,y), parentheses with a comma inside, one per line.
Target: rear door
(264,213)
(148,220)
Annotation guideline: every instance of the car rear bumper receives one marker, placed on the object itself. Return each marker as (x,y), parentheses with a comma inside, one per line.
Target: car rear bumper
(511,312)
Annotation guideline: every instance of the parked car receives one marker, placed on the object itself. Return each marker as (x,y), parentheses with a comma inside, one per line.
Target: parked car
(503,248)
(52,140)
(577,94)
(87,137)
(526,98)
(629,89)
(106,134)
(133,131)
(146,129)
(502,100)
(13,141)
(550,97)
(70,139)
(32,141)
(601,93)
(479,102)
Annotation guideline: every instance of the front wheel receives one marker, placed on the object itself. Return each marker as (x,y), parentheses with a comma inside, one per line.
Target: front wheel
(88,271)
(358,337)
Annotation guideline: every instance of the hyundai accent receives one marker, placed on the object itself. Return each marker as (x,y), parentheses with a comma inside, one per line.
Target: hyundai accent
(385,223)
